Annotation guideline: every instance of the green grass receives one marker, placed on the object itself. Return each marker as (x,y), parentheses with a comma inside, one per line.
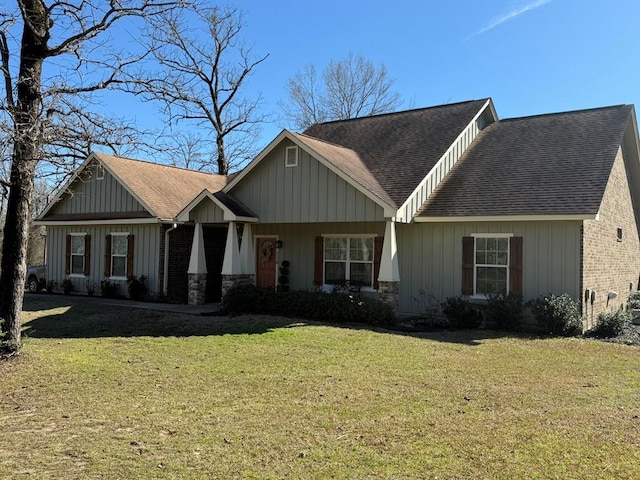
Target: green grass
(116,393)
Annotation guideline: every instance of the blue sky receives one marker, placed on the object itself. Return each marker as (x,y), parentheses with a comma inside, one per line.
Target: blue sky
(530,56)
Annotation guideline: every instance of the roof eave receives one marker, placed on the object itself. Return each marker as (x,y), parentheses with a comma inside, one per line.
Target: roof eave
(506,218)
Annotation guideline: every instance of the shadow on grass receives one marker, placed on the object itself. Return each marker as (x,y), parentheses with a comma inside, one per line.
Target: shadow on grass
(72,318)
(85,317)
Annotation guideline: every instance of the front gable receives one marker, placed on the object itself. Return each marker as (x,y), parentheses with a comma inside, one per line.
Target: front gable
(94,194)
(308,192)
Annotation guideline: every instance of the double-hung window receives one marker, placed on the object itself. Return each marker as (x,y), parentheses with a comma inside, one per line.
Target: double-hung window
(491,265)
(349,259)
(119,255)
(78,253)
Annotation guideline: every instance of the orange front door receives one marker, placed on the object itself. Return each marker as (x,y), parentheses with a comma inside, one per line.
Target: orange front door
(266,262)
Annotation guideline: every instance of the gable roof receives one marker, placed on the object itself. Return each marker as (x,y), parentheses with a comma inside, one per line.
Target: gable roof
(555,164)
(347,161)
(163,190)
(399,149)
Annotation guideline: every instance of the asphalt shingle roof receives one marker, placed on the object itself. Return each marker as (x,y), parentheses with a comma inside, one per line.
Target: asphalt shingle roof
(163,188)
(397,150)
(555,164)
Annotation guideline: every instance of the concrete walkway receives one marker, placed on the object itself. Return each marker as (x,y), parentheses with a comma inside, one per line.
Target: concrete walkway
(207,309)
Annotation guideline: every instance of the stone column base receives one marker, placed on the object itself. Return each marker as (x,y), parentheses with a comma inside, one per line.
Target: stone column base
(230,281)
(388,292)
(197,288)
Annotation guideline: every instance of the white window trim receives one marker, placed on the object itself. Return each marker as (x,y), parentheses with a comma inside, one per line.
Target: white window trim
(482,296)
(329,287)
(286,157)
(119,234)
(84,257)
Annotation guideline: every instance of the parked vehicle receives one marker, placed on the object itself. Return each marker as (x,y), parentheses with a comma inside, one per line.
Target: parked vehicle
(36,278)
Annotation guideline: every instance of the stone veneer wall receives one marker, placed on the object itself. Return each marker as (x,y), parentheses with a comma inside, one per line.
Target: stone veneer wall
(610,264)
(197,288)
(388,292)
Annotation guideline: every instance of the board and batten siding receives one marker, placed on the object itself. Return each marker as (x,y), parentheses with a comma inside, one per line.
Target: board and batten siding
(430,258)
(146,254)
(307,193)
(207,212)
(298,243)
(90,195)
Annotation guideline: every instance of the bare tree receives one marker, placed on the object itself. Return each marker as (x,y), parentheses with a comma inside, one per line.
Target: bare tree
(75,33)
(350,88)
(202,79)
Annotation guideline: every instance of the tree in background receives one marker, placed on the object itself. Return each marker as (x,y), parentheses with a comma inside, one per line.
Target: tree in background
(38,106)
(199,83)
(349,88)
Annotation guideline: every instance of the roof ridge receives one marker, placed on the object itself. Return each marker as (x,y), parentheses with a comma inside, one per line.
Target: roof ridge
(324,141)
(399,112)
(568,112)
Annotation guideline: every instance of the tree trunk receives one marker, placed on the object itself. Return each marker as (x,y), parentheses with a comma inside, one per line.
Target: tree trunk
(223,165)
(26,147)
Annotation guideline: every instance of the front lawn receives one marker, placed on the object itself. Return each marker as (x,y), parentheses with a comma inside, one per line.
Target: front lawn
(121,393)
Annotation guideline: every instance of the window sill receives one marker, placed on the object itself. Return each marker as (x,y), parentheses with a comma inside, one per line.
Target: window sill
(118,278)
(77,275)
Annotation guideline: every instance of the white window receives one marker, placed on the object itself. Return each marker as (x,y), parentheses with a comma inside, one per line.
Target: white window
(348,259)
(291,157)
(77,254)
(119,245)
(491,268)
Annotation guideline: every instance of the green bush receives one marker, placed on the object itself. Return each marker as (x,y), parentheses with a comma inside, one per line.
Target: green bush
(137,287)
(505,313)
(634,300)
(557,315)
(461,313)
(329,307)
(109,289)
(68,286)
(611,323)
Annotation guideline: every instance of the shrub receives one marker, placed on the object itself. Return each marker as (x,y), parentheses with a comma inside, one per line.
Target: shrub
(461,313)
(67,286)
(332,307)
(91,287)
(51,286)
(283,278)
(137,287)
(611,323)
(557,315)
(634,300)
(505,312)
(109,289)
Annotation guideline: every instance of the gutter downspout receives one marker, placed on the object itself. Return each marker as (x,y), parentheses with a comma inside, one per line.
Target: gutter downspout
(165,276)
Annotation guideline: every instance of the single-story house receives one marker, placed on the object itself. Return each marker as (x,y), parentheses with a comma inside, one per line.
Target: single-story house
(447,200)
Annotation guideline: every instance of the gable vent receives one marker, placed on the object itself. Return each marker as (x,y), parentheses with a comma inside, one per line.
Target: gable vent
(291,157)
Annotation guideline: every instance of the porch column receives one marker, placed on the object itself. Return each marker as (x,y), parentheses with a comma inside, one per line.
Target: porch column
(389,276)
(197,271)
(232,268)
(247,255)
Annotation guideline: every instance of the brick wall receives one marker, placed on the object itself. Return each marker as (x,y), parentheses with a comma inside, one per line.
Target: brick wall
(180,241)
(610,264)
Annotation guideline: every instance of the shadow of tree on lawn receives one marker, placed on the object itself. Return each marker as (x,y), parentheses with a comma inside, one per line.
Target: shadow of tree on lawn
(56,316)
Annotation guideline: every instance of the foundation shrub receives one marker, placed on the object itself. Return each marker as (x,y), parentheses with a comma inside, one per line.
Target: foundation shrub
(611,323)
(461,314)
(505,312)
(320,306)
(557,315)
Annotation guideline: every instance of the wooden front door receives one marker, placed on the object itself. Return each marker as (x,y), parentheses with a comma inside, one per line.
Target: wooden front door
(266,262)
